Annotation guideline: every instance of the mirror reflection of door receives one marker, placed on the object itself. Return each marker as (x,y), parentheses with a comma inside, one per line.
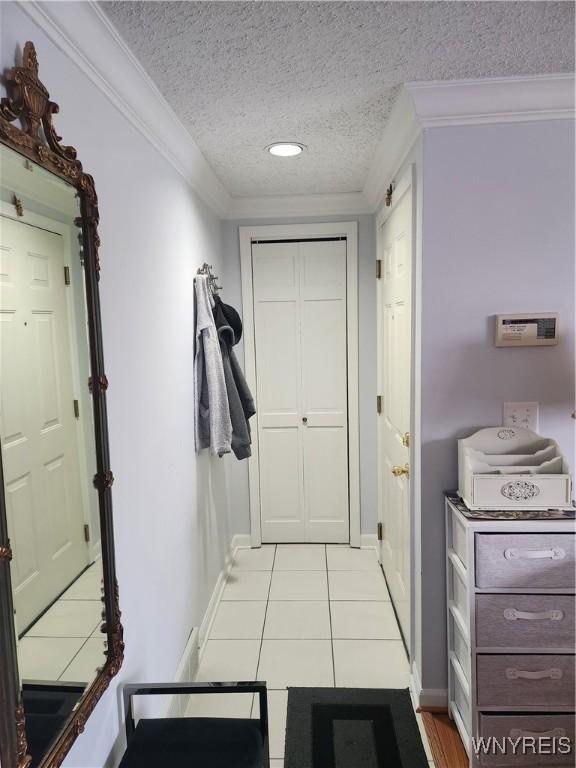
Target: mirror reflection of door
(47,439)
(39,441)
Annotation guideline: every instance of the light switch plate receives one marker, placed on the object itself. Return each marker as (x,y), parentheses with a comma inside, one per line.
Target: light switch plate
(521,415)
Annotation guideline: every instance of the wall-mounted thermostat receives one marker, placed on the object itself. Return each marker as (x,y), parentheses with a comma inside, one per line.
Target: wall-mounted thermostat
(532,329)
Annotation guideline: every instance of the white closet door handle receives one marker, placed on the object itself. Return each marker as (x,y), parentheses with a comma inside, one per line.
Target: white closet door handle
(543,674)
(512,614)
(518,733)
(556,553)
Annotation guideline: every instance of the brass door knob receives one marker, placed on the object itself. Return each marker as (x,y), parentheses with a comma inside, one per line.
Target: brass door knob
(399,471)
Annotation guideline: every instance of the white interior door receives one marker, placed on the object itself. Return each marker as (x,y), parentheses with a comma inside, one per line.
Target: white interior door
(37,423)
(394,364)
(301,374)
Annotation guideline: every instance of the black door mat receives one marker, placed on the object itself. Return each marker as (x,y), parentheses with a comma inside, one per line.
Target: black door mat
(352,728)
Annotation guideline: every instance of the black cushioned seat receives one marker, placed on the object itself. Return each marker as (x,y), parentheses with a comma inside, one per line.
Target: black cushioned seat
(195,742)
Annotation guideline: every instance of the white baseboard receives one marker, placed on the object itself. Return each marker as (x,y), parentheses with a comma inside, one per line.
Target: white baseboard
(188,666)
(184,674)
(239,541)
(369,541)
(426,698)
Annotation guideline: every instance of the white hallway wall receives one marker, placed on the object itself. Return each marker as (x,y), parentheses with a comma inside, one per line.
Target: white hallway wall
(498,237)
(232,293)
(171,512)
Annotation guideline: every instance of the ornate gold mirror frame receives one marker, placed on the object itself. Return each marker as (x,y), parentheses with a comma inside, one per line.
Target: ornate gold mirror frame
(28,102)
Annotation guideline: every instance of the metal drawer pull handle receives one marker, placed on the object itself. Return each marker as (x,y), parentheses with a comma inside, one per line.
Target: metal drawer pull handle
(556,553)
(554,615)
(542,674)
(518,733)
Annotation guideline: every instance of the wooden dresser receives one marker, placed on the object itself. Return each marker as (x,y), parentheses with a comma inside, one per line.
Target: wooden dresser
(511,640)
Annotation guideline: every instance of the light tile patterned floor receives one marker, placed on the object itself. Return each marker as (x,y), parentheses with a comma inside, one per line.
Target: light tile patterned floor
(66,643)
(301,615)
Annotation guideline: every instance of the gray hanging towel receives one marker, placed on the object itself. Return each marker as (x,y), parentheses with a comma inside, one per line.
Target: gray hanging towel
(212,424)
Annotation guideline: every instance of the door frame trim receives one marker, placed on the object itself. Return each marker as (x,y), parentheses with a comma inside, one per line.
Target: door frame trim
(349,230)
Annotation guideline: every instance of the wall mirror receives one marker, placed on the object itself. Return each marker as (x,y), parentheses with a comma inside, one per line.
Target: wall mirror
(60,631)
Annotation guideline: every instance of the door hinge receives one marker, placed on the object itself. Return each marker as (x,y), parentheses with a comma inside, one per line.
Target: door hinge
(378,269)
(76,409)
(378,403)
(17,203)
(86,532)
(66,275)
(380,531)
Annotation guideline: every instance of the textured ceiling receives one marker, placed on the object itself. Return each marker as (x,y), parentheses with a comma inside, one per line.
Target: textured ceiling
(241,75)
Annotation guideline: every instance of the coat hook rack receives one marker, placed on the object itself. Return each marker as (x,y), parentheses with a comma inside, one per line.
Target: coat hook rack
(206,269)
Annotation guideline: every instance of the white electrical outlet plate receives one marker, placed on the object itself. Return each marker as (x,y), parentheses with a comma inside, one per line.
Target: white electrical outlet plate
(521,415)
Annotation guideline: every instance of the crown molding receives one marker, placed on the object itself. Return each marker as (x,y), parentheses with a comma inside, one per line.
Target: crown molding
(85,34)
(439,104)
(493,100)
(287,206)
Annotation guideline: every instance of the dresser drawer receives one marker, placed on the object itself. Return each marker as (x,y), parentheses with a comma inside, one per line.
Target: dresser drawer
(544,560)
(525,680)
(553,735)
(525,621)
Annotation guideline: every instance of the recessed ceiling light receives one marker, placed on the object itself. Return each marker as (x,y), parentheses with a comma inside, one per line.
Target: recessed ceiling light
(285,148)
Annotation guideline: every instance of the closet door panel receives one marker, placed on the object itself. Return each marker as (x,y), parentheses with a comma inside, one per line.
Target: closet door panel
(324,390)
(278,374)
(281,485)
(326,484)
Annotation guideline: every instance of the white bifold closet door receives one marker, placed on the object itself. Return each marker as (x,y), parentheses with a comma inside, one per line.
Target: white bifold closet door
(301,347)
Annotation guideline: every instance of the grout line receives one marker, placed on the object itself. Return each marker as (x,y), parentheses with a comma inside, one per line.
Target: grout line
(264,624)
(330,619)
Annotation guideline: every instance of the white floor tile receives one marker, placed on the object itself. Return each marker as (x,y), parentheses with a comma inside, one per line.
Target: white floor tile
(240,619)
(357,585)
(349,559)
(277,708)
(276,763)
(84,665)
(363,620)
(307,557)
(45,658)
(68,618)
(296,663)
(299,585)
(88,586)
(247,585)
(296,619)
(370,664)
(261,559)
(225,661)
(219,705)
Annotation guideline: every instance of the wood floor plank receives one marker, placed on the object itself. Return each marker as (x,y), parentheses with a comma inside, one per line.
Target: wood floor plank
(444,739)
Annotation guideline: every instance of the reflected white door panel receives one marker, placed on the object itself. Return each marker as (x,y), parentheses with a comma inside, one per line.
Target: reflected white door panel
(37,422)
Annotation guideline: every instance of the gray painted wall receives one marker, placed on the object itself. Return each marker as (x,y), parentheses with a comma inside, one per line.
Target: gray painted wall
(171,518)
(238,474)
(498,237)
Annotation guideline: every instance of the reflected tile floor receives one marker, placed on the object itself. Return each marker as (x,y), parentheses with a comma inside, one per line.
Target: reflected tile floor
(298,615)
(65,643)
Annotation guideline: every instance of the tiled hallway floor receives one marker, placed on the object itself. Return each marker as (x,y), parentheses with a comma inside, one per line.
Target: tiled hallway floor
(301,615)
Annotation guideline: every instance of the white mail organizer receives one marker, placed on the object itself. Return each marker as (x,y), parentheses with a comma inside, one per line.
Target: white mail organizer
(512,467)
